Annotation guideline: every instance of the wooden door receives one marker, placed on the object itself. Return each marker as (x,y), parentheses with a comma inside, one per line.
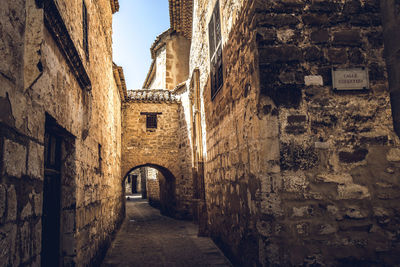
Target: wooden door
(51,202)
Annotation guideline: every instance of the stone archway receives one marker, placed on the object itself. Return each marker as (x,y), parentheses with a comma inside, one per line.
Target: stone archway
(154,133)
(167,188)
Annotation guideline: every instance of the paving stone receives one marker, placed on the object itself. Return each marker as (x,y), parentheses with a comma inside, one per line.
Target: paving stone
(147,238)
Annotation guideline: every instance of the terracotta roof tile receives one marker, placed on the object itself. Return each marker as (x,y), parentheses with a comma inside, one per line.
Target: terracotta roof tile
(114,6)
(152,95)
(181,12)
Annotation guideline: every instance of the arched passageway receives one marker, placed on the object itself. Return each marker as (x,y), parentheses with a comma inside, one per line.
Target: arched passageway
(166,200)
(154,135)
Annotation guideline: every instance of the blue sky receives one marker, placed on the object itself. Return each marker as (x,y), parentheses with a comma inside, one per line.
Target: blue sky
(135,27)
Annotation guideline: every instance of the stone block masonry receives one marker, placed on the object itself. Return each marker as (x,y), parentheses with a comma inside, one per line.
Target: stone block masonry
(301,173)
(232,128)
(39,83)
(159,147)
(334,146)
(153,190)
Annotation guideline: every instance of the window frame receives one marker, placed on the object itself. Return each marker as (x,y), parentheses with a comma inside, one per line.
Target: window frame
(153,125)
(215,50)
(151,121)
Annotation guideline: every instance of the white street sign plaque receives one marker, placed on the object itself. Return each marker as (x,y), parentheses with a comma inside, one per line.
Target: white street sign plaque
(350,79)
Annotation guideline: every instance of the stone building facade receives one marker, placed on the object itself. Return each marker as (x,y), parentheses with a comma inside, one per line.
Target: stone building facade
(151,137)
(60,132)
(300,172)
(170,65)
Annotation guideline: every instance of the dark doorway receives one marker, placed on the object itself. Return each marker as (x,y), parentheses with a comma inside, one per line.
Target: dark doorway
(134,184)
(51,200)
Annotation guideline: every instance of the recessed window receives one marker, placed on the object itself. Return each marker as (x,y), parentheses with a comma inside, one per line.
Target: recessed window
(85,29)
(151,121)
(215,46)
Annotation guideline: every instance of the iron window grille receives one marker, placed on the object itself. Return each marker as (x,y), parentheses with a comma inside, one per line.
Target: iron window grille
(151,121)
(215,47)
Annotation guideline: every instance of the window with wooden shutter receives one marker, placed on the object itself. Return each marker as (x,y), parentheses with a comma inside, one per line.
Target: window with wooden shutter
(215,46)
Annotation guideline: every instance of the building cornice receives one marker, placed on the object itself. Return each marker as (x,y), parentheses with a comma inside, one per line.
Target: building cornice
(120,81)
(150,74)
(158,43)
(56,26)
(181,16)
(114,6)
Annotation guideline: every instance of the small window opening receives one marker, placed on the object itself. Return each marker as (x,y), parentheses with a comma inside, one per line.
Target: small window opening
(85,29)
(151,121)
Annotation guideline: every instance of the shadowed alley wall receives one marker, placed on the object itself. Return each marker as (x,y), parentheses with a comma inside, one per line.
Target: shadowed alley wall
(74,89)
(300,173)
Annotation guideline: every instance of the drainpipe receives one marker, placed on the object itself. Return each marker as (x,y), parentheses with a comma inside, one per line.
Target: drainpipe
(391,37)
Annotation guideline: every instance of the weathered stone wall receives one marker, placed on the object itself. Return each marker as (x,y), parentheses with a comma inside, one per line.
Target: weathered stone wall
(337,182)
(185,158)
(90,193)
(157,148)
(177,63)
(159,81)
(170,64)
(232,128)
(300,173)
(128,187)
(153,186)
(138,173)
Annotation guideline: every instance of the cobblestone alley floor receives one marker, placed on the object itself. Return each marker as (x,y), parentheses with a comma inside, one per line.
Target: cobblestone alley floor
(147,238)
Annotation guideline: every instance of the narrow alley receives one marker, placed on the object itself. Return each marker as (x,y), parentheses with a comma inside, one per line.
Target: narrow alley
(147,238)
(270,127)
